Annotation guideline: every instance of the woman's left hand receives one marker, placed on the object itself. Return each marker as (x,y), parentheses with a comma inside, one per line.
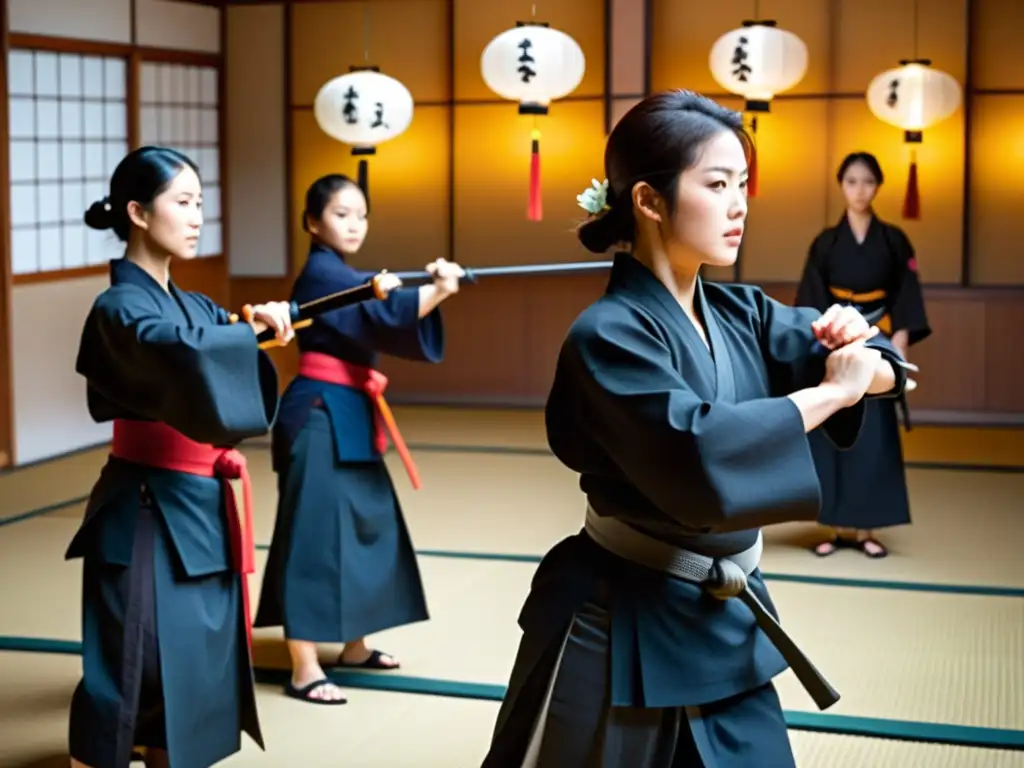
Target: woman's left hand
(446,275)
(842,325)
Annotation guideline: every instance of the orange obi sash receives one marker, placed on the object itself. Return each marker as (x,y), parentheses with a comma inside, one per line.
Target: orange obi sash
(845,294)
(155,444)
(321,367)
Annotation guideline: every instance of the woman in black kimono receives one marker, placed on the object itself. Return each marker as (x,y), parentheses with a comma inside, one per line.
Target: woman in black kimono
(166,667)
(869,264)
(341,564)
(649,637)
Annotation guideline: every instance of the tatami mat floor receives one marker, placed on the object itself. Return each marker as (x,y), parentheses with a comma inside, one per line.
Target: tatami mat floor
(924,645)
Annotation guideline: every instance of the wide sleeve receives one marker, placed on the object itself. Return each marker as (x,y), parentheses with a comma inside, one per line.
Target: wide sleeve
(796,360)
(908,309)
(812,291)
(210,382)
(711,465)
(392,326)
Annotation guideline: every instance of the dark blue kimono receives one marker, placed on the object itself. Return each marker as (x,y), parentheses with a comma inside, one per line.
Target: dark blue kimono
(341,564)
(866,487)
(164,655)
(632,667)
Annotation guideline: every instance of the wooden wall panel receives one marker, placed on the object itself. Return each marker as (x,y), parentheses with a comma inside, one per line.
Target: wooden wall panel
(492,172)
(208,276)
(875,34)
(790,208)
(407,39)
(997,189)
(999,29)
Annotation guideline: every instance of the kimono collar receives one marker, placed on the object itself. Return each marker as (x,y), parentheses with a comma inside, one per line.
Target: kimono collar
(322,250)
(124,271)
(632,278)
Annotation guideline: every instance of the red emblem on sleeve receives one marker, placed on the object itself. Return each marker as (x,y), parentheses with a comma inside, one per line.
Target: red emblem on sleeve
(912,265)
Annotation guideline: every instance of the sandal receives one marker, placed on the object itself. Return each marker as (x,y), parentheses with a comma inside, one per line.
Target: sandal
(303,694)
(879,552)
(826,548)
(374,661)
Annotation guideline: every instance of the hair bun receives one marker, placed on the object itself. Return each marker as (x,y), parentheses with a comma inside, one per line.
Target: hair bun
(100,215)
(612,227)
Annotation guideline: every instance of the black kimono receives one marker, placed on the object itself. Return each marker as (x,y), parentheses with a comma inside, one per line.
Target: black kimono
(865,487)
(621,664)
(164,654)
(341,563)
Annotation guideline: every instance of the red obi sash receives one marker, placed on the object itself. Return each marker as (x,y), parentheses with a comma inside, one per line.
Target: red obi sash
(321,367)
(155,444)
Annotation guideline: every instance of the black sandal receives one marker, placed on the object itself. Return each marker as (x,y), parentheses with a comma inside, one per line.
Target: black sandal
(302,694)
(374,661)
(826,548)
(879,553)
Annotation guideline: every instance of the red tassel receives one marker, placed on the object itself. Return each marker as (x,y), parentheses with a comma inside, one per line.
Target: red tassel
(752,173)
(912,200)
(535,210)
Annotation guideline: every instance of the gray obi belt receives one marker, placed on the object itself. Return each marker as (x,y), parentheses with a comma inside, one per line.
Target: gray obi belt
(723,578)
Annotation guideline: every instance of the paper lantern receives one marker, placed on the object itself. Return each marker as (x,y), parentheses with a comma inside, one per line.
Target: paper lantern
(533,65)
(913,97)
(363,109)
(757,61)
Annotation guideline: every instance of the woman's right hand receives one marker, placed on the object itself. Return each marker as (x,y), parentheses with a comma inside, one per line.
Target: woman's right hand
(276,315)
(852,368)
(386,282)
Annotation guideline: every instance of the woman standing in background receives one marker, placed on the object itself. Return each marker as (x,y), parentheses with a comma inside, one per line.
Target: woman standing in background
(868,263)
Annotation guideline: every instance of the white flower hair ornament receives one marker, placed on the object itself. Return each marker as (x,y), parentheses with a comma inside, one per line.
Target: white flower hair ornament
(594,199)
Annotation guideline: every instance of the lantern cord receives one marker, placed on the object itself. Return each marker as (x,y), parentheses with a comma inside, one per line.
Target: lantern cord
(535,210)
(752,166)
(912,199)
(363,180)
(366,31)
(917,26)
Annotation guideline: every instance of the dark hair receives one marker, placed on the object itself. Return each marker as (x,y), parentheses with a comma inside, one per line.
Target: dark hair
(655,142)
(320,193)
(866,159)
(141,176)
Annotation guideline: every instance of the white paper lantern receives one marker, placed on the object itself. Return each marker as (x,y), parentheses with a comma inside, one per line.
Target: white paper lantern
(533,65)
(913,96)
(363,108)
(758,61)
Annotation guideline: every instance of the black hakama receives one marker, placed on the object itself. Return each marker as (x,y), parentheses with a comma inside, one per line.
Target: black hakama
(865,487)
(164,649)
(341,563)
(625,662)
